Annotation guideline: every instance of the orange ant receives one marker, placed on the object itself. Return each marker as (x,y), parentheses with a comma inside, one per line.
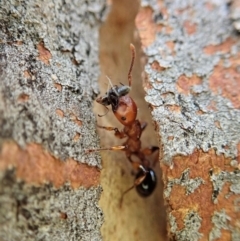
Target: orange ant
(125,110)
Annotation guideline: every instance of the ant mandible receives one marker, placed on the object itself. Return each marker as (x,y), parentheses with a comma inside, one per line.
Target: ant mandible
(125,110)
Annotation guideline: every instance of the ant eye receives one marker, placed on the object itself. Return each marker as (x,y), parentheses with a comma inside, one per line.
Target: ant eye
(123,118)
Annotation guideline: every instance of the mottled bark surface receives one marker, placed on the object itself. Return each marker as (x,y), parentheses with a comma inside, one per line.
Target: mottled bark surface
(49,187)
(192,85)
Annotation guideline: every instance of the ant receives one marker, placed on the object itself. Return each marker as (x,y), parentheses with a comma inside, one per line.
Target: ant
(125,110)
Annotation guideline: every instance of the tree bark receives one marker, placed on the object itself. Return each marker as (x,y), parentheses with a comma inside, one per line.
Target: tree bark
(49,187)
(192,85)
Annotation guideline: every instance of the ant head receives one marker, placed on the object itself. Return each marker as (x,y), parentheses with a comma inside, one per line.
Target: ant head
(126,111)
(103,100)
(148,185)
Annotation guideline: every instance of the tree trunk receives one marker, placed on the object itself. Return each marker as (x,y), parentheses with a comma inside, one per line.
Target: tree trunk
(49,188)
(193,85)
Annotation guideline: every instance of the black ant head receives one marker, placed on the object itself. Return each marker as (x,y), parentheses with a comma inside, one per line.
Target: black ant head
(103,100)
(112,96)
(148,185)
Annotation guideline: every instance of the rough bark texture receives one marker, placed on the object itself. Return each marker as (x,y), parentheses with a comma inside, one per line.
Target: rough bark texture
(49,188)
(193,86)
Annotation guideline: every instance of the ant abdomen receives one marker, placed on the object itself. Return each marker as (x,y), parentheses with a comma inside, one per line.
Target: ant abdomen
(148,185)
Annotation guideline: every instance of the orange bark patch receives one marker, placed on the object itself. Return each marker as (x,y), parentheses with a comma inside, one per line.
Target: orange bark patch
(77,136)
(199,165)
(58,86)
(170,138)
(171,45)
(44,53)
(178,214)
(185,83)
(35,165)
(217,124)
(224,47)
(227,80)
(146,26)
(163,9)
(190,27)
(76,120)
(210,6)
(199,112)
(63,215)
(27,75)
(156,66)
(212,106)
(174,108)
(23,97)
(60,113)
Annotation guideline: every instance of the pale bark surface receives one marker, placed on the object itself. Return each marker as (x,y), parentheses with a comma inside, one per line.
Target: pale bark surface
(192,84)
(49,187)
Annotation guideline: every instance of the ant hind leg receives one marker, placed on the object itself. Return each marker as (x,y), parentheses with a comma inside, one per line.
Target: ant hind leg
(138,181)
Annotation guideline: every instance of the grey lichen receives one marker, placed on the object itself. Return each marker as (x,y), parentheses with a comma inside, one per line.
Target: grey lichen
(192,223)
(57,90)
(223,177)
(191,131)
(46,213)
(69,30)
(221,222)
(190,184)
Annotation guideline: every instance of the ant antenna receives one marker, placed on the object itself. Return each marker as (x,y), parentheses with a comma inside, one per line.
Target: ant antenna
(105,113)
(131,65)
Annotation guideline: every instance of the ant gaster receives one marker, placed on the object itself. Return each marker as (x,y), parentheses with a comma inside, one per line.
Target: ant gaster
(125,110)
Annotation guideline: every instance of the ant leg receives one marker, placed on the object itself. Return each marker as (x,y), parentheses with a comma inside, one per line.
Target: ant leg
(105,113)
(112,148)
(131,65)
(137,182)
(119,134)
(149,150)
(143,125)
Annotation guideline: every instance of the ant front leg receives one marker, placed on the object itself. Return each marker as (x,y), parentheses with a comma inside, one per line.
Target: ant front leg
(119,134)
(112,148)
